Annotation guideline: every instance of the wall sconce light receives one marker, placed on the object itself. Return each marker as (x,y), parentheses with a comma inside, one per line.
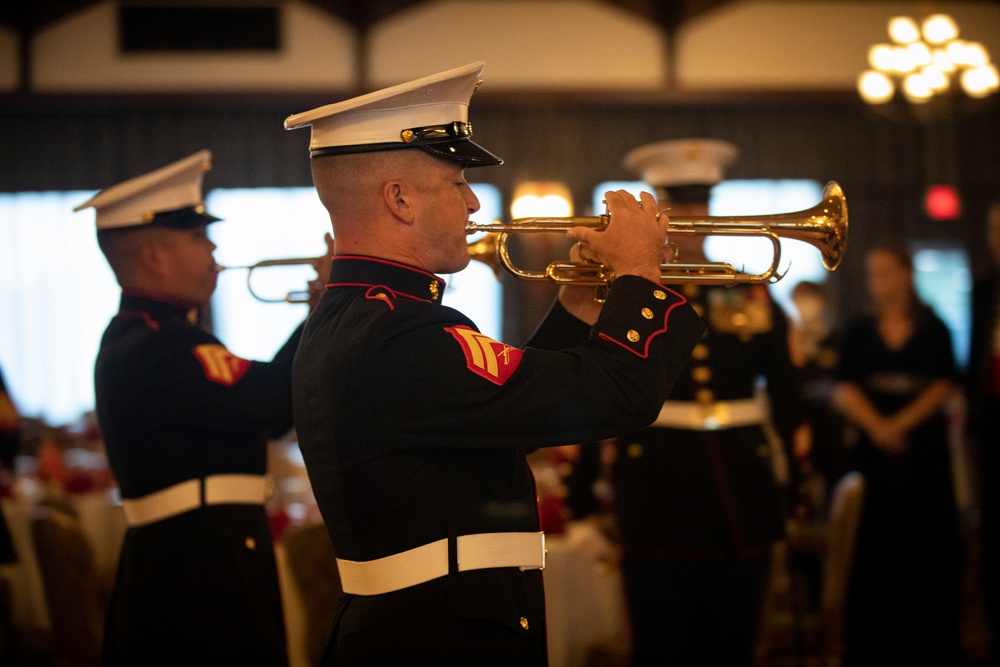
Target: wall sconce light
(925,61)
(537,199)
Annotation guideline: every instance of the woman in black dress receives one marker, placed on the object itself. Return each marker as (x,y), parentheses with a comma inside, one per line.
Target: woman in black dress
(897,372)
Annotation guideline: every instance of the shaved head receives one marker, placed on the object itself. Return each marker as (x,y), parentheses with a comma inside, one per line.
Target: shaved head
(350,186)
(122,249)
(405,205)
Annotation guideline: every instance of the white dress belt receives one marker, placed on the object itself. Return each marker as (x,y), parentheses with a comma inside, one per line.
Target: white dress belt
(186,496)
(430,561)
(711,416)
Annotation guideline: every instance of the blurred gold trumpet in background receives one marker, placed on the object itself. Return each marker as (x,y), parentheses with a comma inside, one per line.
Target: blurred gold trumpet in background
(297,296)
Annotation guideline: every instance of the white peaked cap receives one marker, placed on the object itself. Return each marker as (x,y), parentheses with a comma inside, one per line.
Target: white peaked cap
(679,162)
(170,196)
(431,113)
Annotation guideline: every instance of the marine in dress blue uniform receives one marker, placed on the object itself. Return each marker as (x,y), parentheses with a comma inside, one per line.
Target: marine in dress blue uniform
(185,424)
(10,442)
(414,425)
(697,505)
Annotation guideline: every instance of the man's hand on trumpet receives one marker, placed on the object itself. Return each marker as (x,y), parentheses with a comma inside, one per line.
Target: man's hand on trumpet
(633,243)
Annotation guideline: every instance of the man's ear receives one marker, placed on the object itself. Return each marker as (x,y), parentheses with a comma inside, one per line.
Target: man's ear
(151,254)
(396,194)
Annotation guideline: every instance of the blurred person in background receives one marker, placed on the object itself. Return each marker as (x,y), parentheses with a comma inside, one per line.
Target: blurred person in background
(697,504)
(10,443)
(816,350)
(186,425)
(983,386)
(896,372)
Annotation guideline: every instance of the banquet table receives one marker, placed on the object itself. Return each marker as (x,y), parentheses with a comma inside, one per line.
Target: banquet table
(584,602)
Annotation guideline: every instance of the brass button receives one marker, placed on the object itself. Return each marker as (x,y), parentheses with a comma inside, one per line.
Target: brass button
(701,374)
(524,623)
(659,294)
(251,544)
(704,396)
(647,313)
(700,351)
(634,450)
(633,335)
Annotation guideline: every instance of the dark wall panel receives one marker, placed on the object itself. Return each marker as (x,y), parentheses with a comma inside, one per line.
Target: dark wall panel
(883,166)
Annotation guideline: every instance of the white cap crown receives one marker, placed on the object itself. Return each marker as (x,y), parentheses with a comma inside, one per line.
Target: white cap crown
(431,113)
(678,162)
(169,196)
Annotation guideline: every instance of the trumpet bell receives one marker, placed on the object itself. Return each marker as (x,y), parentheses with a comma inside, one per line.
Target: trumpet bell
(831,227)
(824,226)
(485,250)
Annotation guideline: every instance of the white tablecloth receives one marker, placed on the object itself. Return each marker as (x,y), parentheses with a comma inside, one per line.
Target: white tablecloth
(584,603)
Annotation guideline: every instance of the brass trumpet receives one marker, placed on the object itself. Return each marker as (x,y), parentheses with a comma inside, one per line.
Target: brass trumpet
(298,296)
(823,226)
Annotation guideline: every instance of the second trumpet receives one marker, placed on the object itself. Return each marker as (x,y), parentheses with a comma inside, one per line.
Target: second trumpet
(296,296)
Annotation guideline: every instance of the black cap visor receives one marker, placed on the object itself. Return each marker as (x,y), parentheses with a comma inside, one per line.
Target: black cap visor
(183,218)
(188,217)
(465,151)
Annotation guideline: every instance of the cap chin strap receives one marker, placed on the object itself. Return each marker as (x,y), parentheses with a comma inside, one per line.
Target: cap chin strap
(434,133)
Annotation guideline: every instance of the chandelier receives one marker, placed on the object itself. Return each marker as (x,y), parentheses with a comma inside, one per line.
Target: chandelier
(927,62)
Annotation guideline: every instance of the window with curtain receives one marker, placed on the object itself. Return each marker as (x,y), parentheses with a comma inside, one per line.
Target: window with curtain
(944,282)
(58,293)
(278,223)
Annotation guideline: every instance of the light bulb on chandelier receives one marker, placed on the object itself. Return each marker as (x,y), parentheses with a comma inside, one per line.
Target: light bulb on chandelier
(923,60)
